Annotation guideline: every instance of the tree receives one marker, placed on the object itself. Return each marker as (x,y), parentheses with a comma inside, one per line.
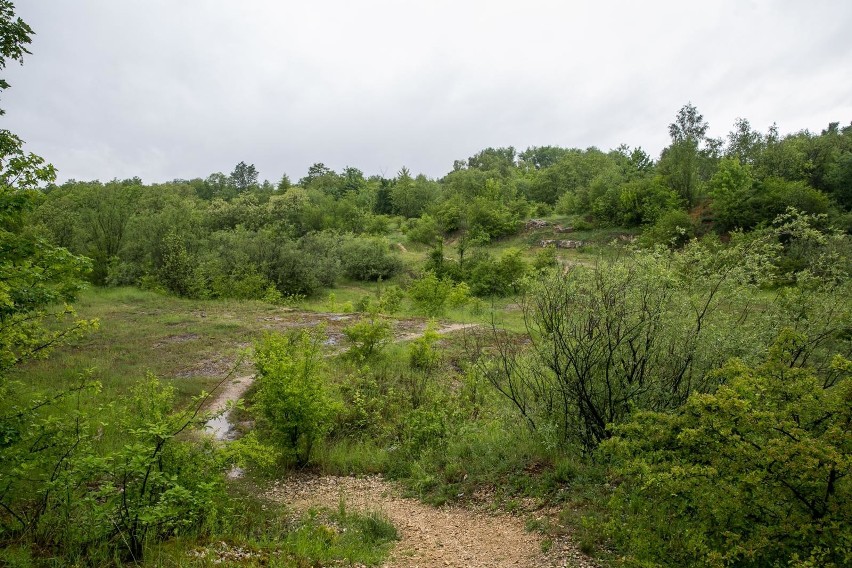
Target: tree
(680,162)
(14,37)
(744,143)
(291,397)
(37,279)
(283,184)
(244,177)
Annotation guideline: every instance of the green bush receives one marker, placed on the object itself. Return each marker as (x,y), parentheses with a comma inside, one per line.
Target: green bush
(424,230)
(291,398)
(368,258)
(503,277)
(674,229)
(422,354)
(757,474)
(367,337)
(82,495)
(390,299)
(429,293)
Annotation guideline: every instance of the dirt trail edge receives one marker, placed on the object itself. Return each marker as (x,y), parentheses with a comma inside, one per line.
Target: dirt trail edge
(430,537)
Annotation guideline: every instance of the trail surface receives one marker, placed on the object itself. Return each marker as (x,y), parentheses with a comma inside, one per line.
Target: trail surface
(430,537)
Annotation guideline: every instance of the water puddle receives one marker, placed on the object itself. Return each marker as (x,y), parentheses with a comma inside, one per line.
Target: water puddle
(221,426)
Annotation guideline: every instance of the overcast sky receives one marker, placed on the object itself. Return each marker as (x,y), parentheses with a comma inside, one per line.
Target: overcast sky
(165,89)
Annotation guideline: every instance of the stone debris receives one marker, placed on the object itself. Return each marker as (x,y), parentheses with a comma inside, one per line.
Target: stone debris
(537,224)
(563,244)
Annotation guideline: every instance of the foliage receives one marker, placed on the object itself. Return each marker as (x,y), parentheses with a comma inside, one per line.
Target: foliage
(502,277)
(545,259)
(367,337)
(368,259)
(37,279)
(291,397)
(756,474)
(673,229)
(641,332)
(422,354)
(430,293)
(389,299)
(179,273)
(63,487)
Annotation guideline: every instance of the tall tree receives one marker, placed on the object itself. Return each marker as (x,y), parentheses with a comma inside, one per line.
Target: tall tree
(244,177)
(744,143)
(680,162)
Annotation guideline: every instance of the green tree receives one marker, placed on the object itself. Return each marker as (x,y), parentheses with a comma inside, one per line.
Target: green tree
(37,279)
(680,162)
(15,35)
(744,143)
(244,177)
(730,189)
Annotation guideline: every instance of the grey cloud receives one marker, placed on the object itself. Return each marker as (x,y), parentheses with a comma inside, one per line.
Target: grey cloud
(164,89)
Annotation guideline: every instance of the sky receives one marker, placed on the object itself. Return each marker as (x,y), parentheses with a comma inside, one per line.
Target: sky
(165,89)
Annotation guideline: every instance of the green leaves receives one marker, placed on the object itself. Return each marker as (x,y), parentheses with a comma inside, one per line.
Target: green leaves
(291,397)
(757,474)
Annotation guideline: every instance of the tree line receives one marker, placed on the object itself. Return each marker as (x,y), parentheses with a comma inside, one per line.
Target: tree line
(231,235)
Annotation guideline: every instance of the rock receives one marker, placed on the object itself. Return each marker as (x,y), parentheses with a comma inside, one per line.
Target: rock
(537,224)
(563,244)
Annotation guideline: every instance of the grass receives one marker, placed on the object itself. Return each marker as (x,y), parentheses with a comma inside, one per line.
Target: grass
(190,343)
(262,533)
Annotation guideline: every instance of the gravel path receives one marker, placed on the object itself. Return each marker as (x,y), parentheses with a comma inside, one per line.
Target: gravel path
(430,537)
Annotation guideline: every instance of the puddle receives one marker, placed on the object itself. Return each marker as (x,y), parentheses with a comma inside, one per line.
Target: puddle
(221,426)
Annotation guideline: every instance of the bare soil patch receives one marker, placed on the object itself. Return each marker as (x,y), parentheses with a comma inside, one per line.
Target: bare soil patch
(449,536)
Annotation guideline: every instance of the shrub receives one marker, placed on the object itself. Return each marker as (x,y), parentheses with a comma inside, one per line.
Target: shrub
(545,259)
(424,230)
(81,495)
(497,278)
(422,354)
(291,398)
(430,294)
(368,258)
(673,228)
(757,474)
(367,337)
(390,299)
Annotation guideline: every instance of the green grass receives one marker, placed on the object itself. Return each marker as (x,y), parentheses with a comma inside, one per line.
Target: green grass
(262,533)
(190,343)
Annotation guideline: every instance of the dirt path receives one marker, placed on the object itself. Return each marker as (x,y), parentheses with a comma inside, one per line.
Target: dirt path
(449,536)
(430,537)
(444,329)
(232,391)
